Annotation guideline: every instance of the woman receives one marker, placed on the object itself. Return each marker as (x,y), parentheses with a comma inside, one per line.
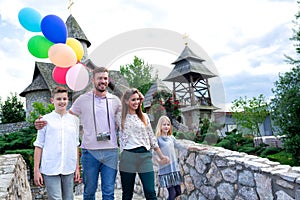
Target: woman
(136,140)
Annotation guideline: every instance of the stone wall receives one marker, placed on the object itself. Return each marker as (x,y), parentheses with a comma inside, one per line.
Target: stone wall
(13,178)
(215,173)
(218,173)
(13,127)
(272,141)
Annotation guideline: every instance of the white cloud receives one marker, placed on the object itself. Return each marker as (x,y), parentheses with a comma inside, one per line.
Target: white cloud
(241,37)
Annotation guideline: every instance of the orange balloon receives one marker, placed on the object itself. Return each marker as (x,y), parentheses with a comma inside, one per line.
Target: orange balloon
(77,47)
(62,55)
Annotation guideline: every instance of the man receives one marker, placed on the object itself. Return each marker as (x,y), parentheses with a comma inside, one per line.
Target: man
(97,110)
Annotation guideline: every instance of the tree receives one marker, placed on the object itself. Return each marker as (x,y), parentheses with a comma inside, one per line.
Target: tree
(286,102)
(286,108)
(138,74)
(250,113)
(12,110)
(39,109)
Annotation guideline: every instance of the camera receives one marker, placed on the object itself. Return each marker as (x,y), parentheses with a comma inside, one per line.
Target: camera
(103,136)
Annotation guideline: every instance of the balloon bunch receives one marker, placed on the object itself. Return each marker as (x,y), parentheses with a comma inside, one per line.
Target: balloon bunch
(63,51)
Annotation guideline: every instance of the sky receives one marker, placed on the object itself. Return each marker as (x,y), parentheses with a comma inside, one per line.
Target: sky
(242,41)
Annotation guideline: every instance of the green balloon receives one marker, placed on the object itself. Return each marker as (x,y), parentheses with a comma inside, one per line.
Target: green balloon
(38,46)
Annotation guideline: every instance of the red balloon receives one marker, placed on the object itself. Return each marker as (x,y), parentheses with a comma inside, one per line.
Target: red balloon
(59,74)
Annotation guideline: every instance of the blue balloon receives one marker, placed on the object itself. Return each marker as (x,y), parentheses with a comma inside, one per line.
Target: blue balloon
(30,19)
(54,29)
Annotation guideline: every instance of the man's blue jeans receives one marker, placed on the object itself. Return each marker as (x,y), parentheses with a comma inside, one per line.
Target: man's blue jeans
(105,162)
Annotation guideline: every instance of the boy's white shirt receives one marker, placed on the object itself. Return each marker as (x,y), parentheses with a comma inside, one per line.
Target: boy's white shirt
(59,140)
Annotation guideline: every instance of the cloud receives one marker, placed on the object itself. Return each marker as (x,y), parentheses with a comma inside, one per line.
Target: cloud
(246,40)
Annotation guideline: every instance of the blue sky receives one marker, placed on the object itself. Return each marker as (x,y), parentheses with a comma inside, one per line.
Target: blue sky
(245,39)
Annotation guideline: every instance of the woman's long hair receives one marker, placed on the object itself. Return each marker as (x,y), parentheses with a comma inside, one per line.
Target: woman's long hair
(161,120)
(128,93)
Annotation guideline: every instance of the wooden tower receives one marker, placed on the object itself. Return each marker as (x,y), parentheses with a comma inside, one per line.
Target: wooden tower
(191,87)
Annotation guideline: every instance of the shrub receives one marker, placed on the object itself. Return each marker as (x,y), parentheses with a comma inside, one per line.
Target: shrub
(270,151)
(283,158)
(247,149)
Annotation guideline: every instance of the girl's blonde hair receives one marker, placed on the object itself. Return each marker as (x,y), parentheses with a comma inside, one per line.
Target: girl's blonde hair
(161,120)
(138,111)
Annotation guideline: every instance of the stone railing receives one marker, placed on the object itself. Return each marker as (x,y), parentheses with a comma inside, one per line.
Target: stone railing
(13,178)
(214,173)
(217,173)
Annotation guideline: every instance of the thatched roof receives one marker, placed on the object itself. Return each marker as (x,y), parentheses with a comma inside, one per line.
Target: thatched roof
(188,65)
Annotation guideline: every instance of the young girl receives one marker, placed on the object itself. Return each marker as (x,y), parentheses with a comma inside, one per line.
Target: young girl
(169,174)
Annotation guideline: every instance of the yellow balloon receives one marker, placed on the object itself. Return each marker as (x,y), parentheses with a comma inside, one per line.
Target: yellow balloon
(76,46)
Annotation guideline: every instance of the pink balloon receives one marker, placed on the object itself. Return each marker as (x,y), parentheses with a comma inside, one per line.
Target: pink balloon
(59,74)
(62,55)
(77,77)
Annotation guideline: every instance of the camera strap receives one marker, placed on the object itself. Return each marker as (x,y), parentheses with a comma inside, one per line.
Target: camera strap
(94,113)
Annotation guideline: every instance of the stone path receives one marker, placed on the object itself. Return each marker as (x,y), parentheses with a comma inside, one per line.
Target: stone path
(118,196)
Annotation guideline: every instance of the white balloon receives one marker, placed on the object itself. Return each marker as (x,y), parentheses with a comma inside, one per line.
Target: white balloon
(77,77)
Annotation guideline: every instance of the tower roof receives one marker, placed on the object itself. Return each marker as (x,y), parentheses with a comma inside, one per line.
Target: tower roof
(75,31)
(189,64)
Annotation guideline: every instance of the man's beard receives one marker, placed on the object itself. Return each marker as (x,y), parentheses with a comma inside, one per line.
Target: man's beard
(99,88)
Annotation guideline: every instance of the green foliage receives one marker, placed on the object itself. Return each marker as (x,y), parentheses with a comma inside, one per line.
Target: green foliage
(244,143)
(138,74)
(17,140)
(250,113)
(283,158)
(286,108)
(286,102)
(235,141)
(21,142)
(248,150)
(270,151)
(39,109)
(296,39)
(12,110)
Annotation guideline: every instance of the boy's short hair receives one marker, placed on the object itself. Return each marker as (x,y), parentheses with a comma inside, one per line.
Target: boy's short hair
(58,89)
(99,70)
